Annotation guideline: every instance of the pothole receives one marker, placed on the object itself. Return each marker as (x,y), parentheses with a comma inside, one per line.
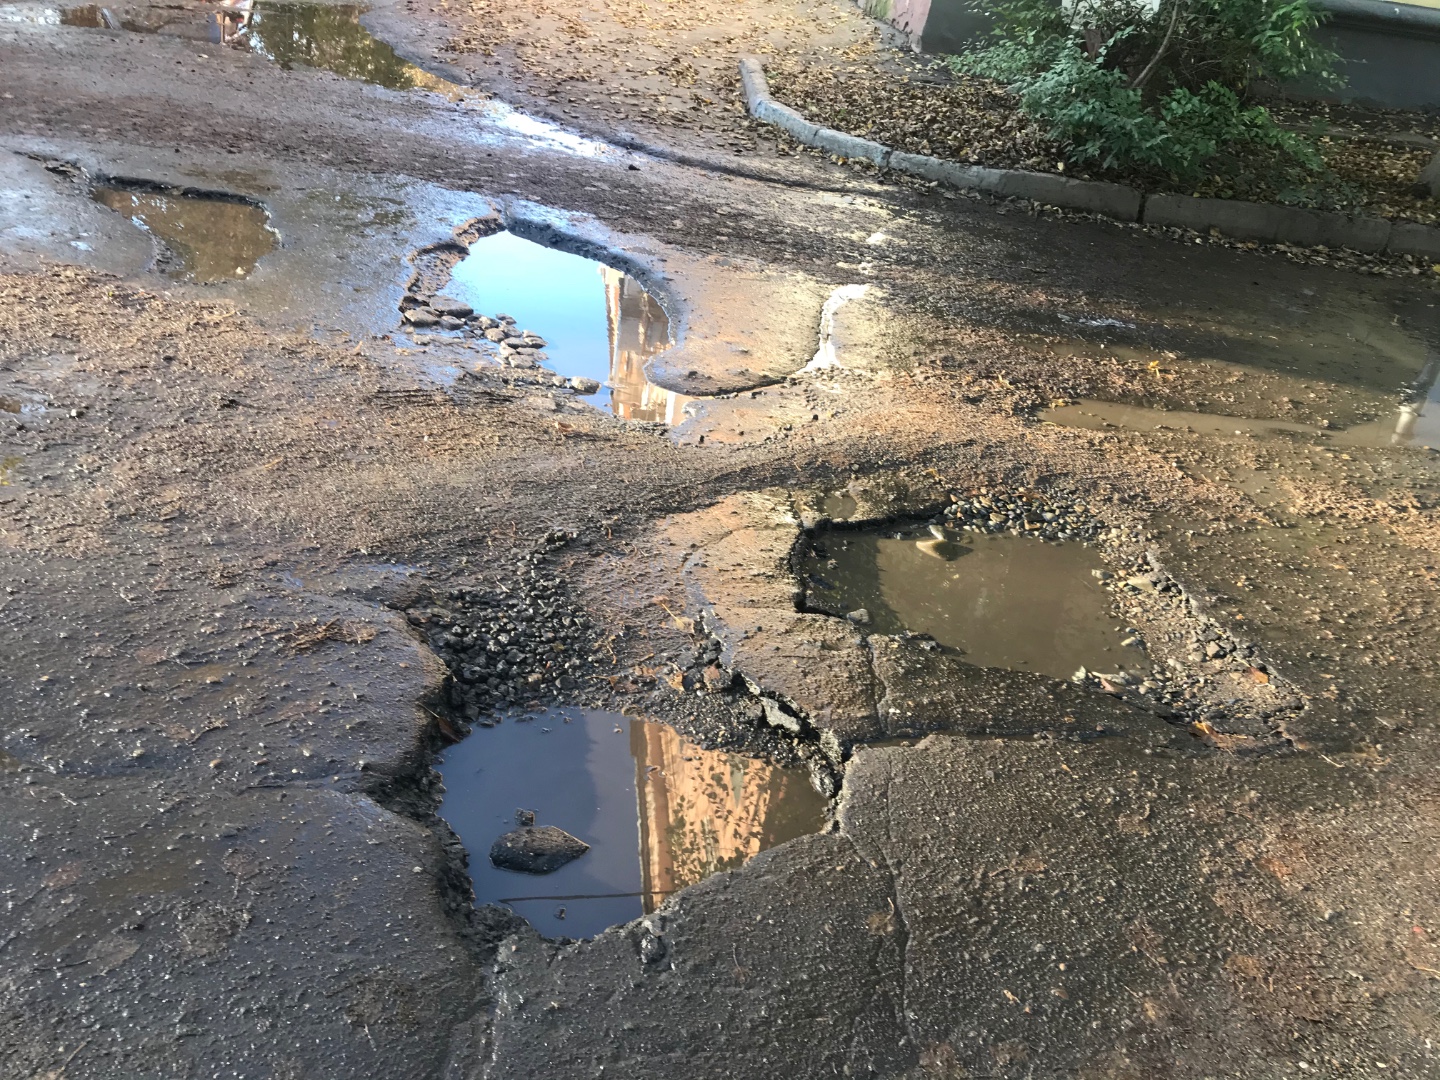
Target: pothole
(547,312)
(325,36)
(998,600)
(657,812)
(1415,424)
(21,405)
(203,237)
(1372,389)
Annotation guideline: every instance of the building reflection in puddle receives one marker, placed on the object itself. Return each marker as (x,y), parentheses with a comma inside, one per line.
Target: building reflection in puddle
(638,330)
(703,811)
(1414,423)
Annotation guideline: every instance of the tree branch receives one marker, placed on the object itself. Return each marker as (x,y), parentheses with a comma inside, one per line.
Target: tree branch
(1138,83)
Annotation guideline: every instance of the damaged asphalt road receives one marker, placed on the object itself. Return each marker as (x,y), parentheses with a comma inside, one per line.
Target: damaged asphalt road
(237,521)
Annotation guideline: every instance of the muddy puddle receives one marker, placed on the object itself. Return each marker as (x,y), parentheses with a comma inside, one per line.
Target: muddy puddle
(1413,422)
(999,600)
(328,37)
(325,36)
(1374,386)
(658,812)
(201,238)
(17,405)
(565,313)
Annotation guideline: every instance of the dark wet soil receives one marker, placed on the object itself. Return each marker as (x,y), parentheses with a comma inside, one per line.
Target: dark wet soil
(658,812)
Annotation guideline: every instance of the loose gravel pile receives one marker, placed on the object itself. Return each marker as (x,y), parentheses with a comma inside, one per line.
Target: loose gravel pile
(1030,515)
(507,647)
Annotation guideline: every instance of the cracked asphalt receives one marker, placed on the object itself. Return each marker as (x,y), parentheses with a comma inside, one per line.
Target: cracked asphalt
(217,725)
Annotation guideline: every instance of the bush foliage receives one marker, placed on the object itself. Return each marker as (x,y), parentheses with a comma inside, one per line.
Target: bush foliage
(1164,87)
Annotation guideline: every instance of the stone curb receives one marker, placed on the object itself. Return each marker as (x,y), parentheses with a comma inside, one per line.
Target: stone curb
(1269,223)
(1266,222)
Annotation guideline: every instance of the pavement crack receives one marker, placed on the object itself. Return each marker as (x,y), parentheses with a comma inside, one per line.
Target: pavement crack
(897,909)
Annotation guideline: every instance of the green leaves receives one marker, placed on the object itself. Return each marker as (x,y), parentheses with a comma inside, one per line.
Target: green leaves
(1077,71)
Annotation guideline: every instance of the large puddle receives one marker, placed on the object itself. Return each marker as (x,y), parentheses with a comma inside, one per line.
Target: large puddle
(998,600)
(202,238)
(325,36)
(658,812)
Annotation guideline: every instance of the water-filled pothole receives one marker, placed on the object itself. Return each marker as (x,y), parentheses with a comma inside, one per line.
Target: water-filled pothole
(317,35)
(544,309)
(998,600)
(203,237)
(657,812)
(21,405)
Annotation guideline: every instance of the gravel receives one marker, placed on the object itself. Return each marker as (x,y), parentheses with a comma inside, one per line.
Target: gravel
(516,645)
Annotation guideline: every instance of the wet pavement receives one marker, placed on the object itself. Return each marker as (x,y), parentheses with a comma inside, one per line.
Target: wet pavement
(222,717)
(658,812)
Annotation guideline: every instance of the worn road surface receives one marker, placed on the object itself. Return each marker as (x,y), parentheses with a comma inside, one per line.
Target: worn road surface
(237,520)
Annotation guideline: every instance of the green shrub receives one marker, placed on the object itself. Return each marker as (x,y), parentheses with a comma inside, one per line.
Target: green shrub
(1166,90)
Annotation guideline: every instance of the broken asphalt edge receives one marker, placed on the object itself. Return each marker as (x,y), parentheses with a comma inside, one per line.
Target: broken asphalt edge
(1264,222)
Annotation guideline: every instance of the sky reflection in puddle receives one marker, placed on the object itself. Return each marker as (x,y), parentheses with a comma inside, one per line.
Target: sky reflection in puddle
(597,322)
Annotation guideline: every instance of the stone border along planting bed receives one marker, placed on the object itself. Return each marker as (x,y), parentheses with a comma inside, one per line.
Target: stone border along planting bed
(1263,222)
(1146,591)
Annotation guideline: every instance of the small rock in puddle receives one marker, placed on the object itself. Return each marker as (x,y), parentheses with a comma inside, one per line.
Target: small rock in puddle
(539,849)
(657,812)
(1000,600)
(205,238)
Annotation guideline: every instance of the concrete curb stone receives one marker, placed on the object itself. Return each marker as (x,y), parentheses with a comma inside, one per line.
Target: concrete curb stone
(1112,200)
(1266,222)
(1409,238)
